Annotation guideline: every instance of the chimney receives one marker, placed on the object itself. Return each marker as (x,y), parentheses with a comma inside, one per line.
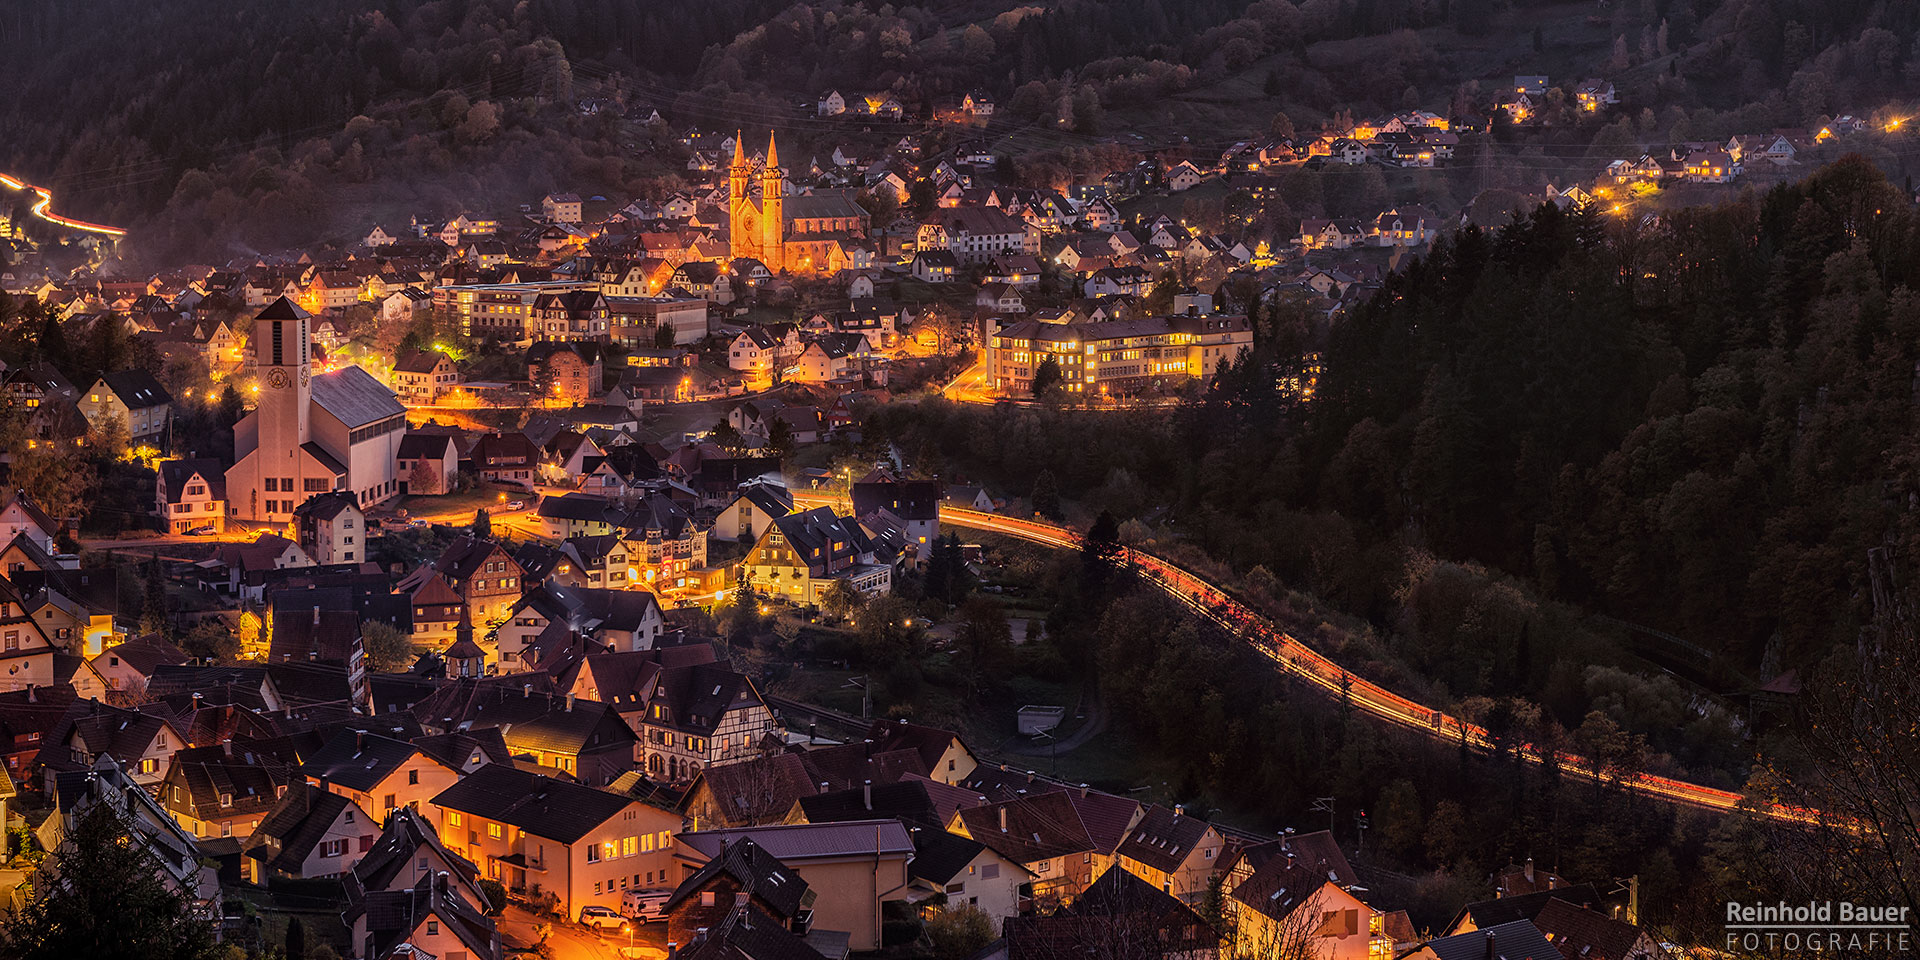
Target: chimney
(1003,819)
(569,703)
(1492,953)
(1029,776)
(1529,871)
(226,746)
(440,883)
(1083,791)
(34,697)
(526,690)
(866,793)
(1179,810)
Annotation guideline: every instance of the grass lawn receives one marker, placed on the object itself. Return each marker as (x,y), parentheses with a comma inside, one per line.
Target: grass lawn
(482,495)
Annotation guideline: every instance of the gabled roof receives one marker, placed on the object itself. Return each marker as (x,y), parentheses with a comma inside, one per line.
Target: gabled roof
(327,506)
(137,389)
(540,805)
(794,842)
(299,822)
(415,446)
(407,830)
(1583,934)
(248,781)
(1518,940)
(698,697)
(1526,906)
(393,915)
(1163,838)
(143,654)
(1291,871)
(102,730)
(357,760)
(176,474)
(754,868)
(353,397)
(419,361)
(1037,828)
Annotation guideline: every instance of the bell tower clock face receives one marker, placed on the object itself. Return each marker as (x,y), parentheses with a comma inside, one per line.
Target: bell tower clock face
(277,378)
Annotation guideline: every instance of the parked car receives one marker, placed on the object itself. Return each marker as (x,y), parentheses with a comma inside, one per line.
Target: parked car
(206,531)
(601,918)
(645,905)
(416,522)
(516,504)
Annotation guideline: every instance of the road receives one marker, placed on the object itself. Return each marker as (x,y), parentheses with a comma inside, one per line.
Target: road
(42,209)
(521,929)
(1297,658)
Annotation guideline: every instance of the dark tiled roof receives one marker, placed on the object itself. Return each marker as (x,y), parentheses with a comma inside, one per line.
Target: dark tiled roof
(1583,934)
(357,760)
(177,473)
(1037,828)
(755,869)
(543,806)
(415,446)
(299,822)
(750,934)
(137,389)
(327,506)
(282,309)
(1283,882)
(939,855)
(903,800)
(406,831)
(393,915)
(354,397)
(102,730)
(1519,940)
(419,361)
(1526,906)
(1163,839)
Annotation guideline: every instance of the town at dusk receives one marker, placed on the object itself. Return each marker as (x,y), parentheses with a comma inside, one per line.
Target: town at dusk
(966,480)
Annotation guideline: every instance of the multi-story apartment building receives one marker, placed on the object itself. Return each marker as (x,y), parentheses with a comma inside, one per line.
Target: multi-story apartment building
(499,311)
(1115,356)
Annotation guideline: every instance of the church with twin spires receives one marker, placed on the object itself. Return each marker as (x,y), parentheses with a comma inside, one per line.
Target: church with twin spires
(308,434)
(811,233)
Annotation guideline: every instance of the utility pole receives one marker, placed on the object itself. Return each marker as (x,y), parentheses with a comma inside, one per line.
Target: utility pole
(1325,805)
(866,697)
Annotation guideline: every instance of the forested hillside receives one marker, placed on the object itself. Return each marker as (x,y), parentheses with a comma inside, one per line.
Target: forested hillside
(114,102)
(1699,426)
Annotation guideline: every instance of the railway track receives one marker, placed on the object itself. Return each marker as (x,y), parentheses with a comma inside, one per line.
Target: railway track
(1210,601)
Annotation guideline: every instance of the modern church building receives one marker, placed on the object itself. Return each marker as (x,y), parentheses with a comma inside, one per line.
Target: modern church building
(309,434)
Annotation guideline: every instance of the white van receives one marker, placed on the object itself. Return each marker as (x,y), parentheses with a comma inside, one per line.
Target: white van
(644,905)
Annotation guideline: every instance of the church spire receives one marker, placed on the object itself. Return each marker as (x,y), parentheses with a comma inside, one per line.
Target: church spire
(773,158)
(739,150)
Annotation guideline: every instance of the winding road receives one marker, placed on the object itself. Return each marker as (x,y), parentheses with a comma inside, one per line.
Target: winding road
(1297,658)
(42,209)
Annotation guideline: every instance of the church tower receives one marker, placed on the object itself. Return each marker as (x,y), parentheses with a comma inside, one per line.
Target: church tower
(773,203)
(742,233)
(283,370)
